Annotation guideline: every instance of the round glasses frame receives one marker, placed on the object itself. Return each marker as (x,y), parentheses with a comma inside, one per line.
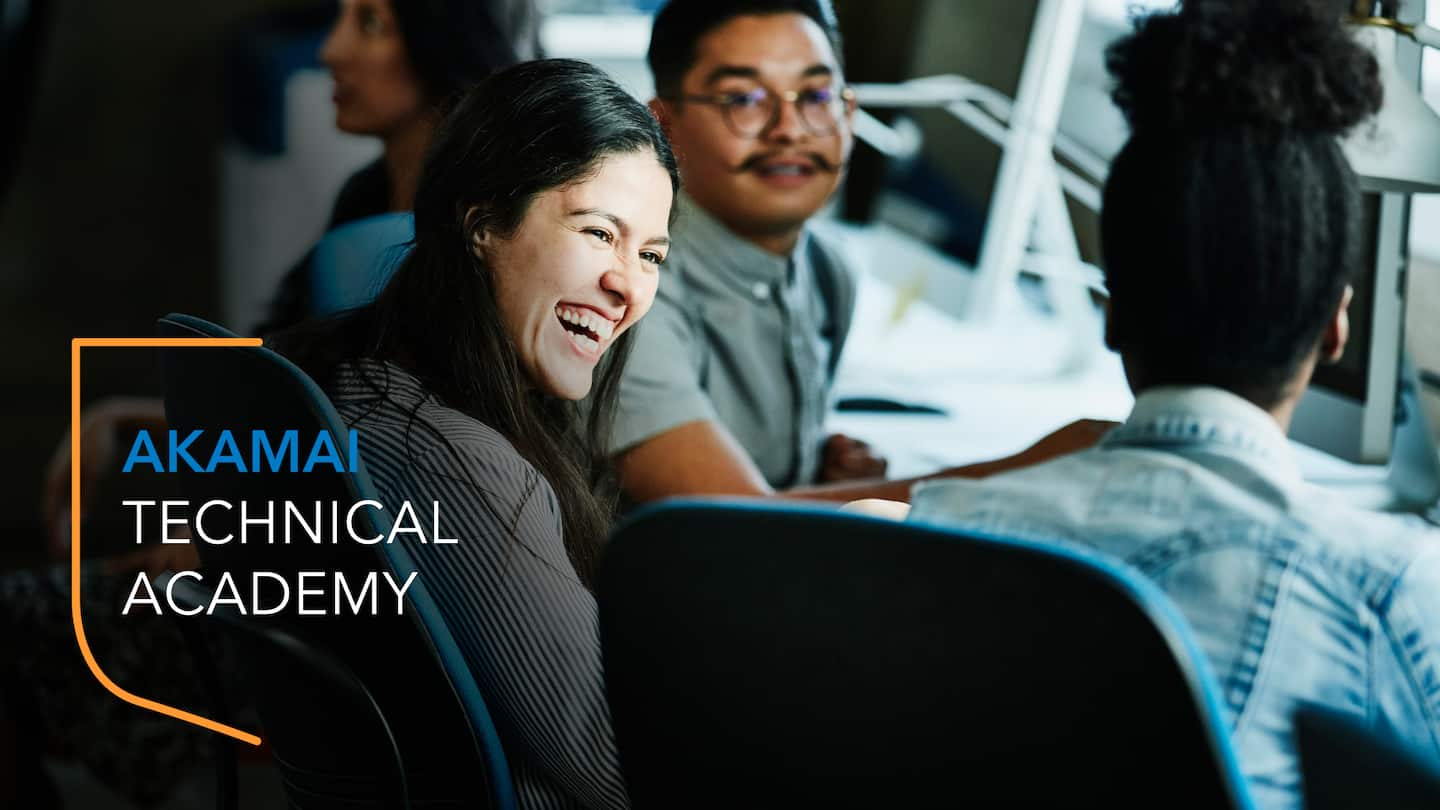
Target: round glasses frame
(820,118)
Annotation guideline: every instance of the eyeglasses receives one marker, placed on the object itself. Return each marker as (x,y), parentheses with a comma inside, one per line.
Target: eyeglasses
(748,114)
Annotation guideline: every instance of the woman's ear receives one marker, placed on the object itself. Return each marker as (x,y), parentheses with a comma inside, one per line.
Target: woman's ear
(1337,332)
(479,237)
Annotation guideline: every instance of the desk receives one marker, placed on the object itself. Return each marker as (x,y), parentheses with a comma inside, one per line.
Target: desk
(1003,384)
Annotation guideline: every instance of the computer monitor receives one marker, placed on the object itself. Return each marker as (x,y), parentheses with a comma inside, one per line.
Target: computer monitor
(1349,410)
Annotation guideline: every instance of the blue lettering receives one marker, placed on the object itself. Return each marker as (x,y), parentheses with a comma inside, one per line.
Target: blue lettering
(324,452)
(183,449)
(143,450)
(226,452)
(265,454)
(261,449)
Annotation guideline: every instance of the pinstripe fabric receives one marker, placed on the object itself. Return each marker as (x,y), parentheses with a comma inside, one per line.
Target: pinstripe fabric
(527,626)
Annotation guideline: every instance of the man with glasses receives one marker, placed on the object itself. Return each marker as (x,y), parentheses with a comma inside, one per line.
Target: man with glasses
(727,389)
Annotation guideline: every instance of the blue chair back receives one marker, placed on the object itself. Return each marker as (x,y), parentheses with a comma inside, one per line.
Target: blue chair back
(352,262)
(410,664)
(772,656)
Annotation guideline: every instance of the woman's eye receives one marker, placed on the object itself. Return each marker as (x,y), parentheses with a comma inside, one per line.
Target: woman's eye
(601,234)
(653,258)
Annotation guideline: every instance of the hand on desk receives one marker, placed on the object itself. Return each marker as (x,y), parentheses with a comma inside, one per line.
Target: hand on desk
(846,459)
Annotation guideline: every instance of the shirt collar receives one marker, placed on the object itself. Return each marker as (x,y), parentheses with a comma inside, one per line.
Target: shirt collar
(703,236)
(1204,417)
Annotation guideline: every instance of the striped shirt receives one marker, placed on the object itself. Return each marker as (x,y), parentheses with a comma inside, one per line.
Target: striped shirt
(527,626)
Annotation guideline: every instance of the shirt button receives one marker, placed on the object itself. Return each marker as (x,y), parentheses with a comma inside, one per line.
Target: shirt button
(761,291)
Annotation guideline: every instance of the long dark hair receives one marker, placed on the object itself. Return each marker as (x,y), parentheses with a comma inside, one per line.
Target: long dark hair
(1230,220)
(527,129)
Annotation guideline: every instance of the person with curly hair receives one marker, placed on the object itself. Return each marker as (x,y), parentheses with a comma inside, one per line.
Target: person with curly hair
(1231,227)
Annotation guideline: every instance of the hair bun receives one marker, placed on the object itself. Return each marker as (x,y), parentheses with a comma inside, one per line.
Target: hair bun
(1270,64)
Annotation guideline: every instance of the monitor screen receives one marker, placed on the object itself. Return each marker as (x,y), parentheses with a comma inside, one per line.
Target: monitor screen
(1349,410)
(1350,376)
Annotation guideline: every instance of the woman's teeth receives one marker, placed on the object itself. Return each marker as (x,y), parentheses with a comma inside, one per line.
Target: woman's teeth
(586,326)
(584,342)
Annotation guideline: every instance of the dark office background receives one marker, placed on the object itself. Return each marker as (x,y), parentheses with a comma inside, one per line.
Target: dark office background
(109,212)
(108,209)
(110,216)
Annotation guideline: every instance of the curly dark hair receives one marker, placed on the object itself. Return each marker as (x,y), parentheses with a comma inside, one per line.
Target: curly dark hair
(1230,224)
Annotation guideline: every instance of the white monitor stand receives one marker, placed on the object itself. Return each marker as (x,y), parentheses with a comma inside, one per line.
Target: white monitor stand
(1349,410)
(1408,482)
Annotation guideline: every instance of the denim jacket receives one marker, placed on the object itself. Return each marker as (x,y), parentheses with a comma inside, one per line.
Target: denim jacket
(1294,598)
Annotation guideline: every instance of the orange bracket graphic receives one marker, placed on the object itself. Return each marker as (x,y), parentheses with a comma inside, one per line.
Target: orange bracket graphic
(145,703)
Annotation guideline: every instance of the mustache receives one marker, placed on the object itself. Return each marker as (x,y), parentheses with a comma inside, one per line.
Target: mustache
(817,160)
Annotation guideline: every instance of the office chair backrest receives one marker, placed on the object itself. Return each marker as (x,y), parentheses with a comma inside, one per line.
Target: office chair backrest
(352,262)
(765,656)
(1345,764)
(409,663)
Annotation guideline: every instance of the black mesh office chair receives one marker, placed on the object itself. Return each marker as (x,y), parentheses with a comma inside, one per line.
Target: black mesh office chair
(326,684)
(330,691)
(766,656)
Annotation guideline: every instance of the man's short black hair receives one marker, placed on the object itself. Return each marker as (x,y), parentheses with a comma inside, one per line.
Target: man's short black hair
(681,23)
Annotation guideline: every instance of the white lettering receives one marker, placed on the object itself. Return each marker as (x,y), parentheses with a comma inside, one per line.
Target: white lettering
(400,591)
(226,583)
(255,593)
(246,521)
(139,517)
(342,586)
(200,526)
(436,538)
(303,592)
(168,521)
(170,592)
(350,522)
(142,580)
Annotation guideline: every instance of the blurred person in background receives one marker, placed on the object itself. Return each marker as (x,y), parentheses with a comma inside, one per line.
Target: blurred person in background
(397,65)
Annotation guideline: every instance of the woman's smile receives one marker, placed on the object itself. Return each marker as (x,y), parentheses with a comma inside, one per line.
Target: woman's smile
(587,330)
(581,268)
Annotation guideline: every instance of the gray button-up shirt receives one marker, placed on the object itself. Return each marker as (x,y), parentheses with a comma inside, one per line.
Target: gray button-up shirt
(743,337)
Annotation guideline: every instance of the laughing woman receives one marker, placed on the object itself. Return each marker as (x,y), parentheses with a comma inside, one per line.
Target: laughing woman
(541,222)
